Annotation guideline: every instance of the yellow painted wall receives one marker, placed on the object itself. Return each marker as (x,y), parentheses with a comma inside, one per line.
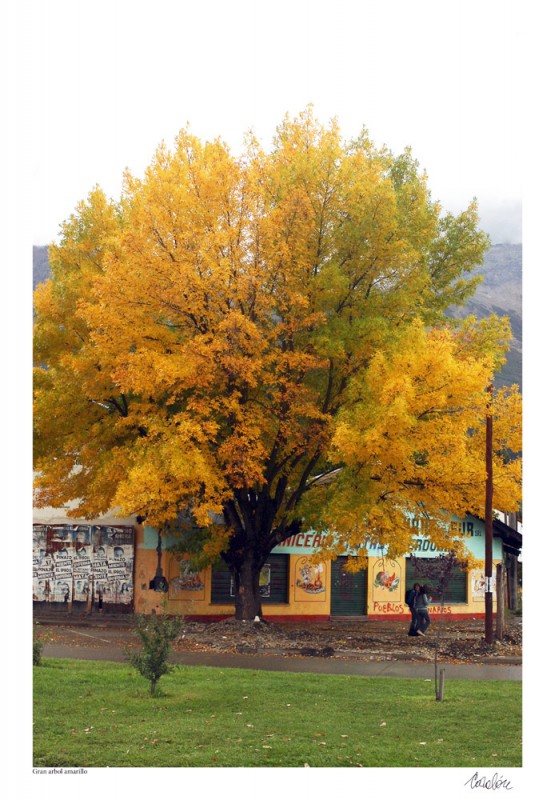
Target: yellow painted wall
(309,589)
(308,597)
(387,584)
(146,560)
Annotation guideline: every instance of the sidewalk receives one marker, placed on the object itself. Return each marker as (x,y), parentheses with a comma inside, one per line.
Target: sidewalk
(461,641)
(106,643)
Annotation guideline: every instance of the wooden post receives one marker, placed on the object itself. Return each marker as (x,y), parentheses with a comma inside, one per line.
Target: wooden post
(500,592)
(90,596)
(489,522)
(509,580)
(513,582)
(71,596)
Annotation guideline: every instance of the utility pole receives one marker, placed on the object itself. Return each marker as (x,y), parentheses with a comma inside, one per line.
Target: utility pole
(489,520)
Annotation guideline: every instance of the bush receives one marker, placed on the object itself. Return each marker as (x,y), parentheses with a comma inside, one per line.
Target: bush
(156,635)
(37,651)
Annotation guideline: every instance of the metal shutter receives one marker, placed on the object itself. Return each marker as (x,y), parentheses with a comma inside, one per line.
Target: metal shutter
(274,582)
(348,590)
(455,591)
(222,585)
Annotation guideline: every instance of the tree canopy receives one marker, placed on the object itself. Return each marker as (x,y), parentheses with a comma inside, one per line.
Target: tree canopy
(262,338)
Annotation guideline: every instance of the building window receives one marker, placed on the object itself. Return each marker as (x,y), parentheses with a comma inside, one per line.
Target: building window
(455,591)
(274,582)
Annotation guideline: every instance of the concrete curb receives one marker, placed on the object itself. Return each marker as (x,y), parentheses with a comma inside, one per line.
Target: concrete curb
(357,655)
(318,665)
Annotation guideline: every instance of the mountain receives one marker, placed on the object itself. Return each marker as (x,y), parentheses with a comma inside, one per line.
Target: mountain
(499,293)
(41,270)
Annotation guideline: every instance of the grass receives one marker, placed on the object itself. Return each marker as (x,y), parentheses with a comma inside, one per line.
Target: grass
(98,714)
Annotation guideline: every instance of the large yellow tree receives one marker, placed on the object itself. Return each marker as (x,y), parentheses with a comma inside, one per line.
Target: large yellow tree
(261,339)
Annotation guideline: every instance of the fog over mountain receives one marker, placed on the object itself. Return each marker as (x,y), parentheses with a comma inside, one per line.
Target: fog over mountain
(502,222)
(501,293)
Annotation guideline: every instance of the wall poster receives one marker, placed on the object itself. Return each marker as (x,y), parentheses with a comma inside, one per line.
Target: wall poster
(478,583)
(71,561)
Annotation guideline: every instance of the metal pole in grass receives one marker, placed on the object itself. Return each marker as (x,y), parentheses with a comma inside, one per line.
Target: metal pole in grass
(441,685)
(439,691)
(442,580)
(439,570)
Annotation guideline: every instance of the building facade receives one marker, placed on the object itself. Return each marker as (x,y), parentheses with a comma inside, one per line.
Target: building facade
(117,565)
(293,586)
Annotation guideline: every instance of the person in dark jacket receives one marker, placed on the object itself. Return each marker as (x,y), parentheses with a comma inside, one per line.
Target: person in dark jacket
(421,605)
(411,600)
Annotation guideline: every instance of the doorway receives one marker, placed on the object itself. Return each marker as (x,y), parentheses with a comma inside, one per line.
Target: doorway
(349,590)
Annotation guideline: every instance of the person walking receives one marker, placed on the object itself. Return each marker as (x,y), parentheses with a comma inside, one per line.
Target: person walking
(421,606)
(411,602)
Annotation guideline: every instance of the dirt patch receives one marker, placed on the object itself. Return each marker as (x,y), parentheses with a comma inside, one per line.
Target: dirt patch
(460,641)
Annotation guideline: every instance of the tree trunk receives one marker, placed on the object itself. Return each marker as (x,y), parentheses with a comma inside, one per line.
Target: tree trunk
(253,539)
(246,577)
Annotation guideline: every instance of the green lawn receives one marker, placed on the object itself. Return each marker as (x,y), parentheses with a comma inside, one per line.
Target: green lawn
(98,714)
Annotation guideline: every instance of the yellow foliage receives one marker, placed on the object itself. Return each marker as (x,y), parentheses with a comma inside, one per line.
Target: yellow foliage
(414,442)
(234,327)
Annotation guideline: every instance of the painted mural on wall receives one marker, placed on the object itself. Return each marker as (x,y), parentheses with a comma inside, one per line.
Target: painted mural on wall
(71,561)
(187,579)
(387,578)
(309,580)
(386,587)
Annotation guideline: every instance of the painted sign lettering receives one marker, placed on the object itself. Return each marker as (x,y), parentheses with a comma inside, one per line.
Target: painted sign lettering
(311,541)
(400,608)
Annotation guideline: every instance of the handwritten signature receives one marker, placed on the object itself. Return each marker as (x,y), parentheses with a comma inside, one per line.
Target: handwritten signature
(497,782)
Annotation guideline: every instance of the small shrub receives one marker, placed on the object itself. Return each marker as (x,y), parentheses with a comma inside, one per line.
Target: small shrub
(156,635)
(38,644)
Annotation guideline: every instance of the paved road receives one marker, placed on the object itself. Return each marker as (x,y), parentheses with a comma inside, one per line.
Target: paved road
(101,648)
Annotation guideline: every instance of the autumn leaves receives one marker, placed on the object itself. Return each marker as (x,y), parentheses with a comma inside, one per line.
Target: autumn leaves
(234,326)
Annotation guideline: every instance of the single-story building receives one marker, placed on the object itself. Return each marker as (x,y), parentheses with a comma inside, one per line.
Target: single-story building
(293,587)
(114,564)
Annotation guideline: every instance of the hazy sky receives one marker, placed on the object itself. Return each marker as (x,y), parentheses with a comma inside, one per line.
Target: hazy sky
(105,82)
